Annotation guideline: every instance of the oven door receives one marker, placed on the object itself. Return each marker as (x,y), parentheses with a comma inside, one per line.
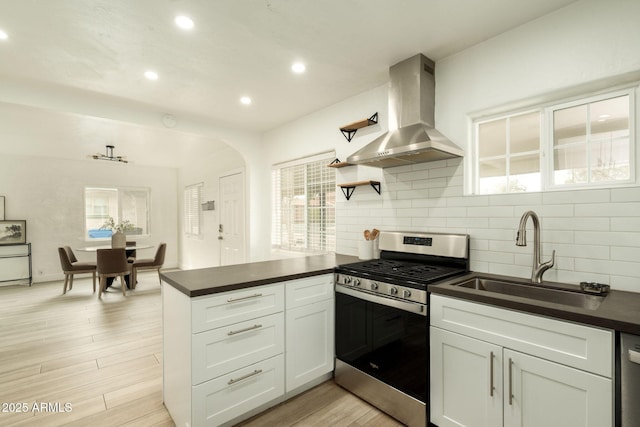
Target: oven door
(384,338)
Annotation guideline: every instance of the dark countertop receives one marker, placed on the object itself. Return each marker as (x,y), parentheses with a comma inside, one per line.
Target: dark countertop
(620,310)
(205,281)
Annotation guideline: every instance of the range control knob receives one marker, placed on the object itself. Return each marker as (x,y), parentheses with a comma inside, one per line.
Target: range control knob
(393,290)
(347,280)
(406,293)
(356,282)
(374,286)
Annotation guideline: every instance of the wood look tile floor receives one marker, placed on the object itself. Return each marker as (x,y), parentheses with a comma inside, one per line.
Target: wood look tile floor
(104,359)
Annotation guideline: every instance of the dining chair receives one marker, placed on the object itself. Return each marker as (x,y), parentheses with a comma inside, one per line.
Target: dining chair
(148,264)
(131,253)
(112,263)
(71,266)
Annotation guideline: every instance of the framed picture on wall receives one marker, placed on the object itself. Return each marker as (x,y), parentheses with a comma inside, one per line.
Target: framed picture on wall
(1,208)
(13,232)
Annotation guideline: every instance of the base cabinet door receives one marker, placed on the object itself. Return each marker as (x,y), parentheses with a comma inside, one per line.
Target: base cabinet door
(229,396)
(466,381)
(548,394)
(309,343)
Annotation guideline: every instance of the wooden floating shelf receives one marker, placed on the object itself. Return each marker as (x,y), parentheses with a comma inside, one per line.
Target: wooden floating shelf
(350,130)
(348,188)
(338,164)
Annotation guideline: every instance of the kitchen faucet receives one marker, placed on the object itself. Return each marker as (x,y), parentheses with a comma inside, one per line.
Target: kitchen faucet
(538,268)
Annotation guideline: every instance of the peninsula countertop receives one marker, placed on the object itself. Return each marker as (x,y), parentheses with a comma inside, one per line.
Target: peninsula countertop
(205,281)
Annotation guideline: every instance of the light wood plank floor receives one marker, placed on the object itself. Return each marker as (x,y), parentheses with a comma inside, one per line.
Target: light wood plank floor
(104,360)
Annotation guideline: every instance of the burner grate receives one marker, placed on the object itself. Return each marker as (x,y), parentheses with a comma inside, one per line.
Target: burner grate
(395,270)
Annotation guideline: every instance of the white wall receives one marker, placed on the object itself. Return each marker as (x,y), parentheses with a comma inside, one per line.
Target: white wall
(49,195)
(595,233)
(204,251)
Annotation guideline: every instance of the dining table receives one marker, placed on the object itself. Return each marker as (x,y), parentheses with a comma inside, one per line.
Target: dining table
(129,250)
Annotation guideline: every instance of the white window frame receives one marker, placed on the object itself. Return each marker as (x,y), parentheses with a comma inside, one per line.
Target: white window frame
(549,151)
(119,216)
(472,182)
(192,223)
(476,148)
(276,242)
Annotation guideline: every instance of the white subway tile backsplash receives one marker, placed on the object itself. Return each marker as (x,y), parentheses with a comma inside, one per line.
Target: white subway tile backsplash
(467,223)
(630,194)
(573,223)
(491,211)
(626,223)
(576,196)
(468,201)
(448,212)
(515,199)
(625,254)
(429,183)
(608,209)
(595,233)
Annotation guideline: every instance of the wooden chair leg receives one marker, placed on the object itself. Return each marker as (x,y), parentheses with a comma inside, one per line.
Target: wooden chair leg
(103,282)
(66,280)
(123,286)
(71,282)
(159,278)
(94,282)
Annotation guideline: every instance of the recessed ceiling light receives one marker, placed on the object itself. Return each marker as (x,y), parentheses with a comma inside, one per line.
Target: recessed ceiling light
(245,100)
(184,22)
(151,75)
(298,68)
(3,35)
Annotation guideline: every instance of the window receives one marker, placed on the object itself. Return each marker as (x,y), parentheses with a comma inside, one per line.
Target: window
(509,154)
(303,200)
(576,144)
(121,204)
(192,211)
(591,142)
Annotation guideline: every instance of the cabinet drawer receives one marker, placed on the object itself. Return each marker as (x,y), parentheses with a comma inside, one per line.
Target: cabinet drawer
(231,347)
(583,347)
(231,395)
(210,312)
(309,290)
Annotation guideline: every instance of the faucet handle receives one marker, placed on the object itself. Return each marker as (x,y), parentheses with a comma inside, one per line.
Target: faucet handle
(552,261)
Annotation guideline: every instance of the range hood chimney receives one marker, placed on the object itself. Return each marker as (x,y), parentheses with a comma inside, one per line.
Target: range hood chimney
(411,109)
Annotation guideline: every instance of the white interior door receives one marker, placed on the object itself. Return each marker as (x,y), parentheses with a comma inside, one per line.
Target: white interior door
(231,230)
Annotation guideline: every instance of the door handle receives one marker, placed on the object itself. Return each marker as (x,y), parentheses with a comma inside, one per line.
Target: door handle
(491,387)
(510,381)
(634,356)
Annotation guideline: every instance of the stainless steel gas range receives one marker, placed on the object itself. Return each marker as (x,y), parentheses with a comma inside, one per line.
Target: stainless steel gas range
(381,326)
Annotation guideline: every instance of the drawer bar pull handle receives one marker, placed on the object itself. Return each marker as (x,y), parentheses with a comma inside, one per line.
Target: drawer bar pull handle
(491,387)
(244,377)
(510,382)
(250,328)
(244,298)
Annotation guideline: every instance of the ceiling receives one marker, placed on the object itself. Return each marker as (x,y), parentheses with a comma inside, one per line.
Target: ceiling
(237,48)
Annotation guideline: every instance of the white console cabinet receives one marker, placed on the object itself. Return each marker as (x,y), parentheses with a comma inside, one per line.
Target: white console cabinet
(15,264)
(229,355)
(495,367)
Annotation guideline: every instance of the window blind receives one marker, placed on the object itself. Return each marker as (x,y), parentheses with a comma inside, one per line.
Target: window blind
(303,201)
(192,211)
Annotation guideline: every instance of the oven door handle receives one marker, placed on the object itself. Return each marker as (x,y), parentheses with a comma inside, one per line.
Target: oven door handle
(390,302)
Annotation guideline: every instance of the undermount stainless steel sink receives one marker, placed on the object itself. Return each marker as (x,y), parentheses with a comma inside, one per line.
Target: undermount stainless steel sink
(572,298)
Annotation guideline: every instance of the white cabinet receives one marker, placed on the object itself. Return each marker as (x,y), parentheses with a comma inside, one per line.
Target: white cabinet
(15,264)
(223,354)
(229,355)
(309,330)
(466,381)
(493,367)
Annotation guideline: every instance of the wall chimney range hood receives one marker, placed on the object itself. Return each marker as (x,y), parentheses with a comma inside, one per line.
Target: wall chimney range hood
(411,107)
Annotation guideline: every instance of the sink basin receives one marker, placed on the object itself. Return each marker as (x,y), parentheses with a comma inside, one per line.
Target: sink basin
(537,292)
